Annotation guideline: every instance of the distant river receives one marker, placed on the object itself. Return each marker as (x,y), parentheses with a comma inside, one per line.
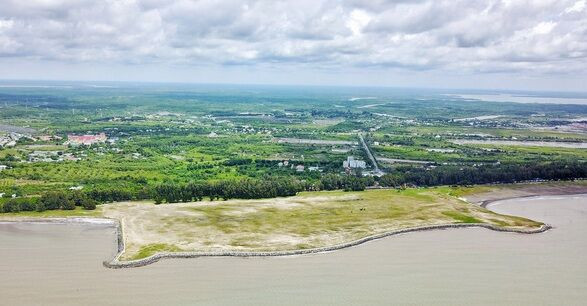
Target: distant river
(523,99)
(61,264)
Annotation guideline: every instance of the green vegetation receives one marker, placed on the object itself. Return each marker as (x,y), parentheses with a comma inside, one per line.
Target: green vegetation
(166,142)
(460,217)
(154,248)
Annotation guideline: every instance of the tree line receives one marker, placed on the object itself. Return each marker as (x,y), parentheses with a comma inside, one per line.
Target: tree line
(270,187)
(486,174)
(52,200)
(227,189)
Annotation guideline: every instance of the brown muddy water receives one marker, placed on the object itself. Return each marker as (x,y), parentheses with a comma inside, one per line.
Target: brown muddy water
(60,264)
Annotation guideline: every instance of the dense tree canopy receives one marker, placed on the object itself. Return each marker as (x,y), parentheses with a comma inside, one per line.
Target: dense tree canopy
(269,187)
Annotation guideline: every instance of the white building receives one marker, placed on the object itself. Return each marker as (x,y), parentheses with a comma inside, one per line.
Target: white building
(352,163)
(3,167)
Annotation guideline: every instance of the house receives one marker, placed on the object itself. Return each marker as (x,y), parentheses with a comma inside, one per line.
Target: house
(300,168)
(3,167)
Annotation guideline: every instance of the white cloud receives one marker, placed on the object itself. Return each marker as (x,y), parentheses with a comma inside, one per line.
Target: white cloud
(358,19)
(577,7)
(544,27)
(468,36)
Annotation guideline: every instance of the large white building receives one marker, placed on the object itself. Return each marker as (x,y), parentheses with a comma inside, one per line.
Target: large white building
(352,163)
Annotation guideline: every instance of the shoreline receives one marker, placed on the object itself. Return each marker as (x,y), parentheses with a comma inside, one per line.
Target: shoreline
(486,203)
(115,263)
(63,220)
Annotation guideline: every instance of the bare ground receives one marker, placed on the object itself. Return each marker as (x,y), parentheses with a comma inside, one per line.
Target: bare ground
(306,221)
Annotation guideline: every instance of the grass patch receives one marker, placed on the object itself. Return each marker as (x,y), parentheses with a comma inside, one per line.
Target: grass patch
(154,248)
(461,218)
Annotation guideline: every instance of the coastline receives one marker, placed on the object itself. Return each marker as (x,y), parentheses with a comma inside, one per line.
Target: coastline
(525,190)
(115,263)
(486,203)
(63,220)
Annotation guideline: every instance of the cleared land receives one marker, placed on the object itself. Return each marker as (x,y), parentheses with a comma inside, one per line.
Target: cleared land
(315,141)
(309,220)
(402,161)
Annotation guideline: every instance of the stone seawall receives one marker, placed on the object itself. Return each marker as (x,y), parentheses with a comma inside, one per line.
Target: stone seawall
(117,264)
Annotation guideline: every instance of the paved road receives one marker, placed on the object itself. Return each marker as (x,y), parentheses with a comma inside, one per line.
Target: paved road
(369,154)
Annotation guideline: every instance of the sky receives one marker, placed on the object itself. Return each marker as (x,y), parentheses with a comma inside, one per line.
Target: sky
(499,44)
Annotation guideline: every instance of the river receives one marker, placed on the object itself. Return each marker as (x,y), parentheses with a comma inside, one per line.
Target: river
(59,264)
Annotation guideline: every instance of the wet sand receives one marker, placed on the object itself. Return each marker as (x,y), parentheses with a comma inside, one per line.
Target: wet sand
(60,264)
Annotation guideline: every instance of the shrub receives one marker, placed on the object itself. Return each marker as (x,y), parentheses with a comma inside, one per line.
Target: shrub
(27,204)
(68,205)
(40,206)
(11,205)
(89,204)
(56,200)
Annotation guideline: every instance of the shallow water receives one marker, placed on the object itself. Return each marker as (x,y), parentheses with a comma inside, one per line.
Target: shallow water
(61,264)
(523,99)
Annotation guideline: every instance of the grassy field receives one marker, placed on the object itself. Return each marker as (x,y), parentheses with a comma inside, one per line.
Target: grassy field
(309,220)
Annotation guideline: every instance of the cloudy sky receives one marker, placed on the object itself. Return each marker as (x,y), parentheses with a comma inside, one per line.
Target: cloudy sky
(524,44)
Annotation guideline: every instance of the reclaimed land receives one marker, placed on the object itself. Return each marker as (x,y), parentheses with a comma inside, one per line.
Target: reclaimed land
(311,222)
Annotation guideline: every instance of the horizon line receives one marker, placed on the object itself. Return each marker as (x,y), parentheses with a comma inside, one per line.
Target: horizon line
(163,82)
